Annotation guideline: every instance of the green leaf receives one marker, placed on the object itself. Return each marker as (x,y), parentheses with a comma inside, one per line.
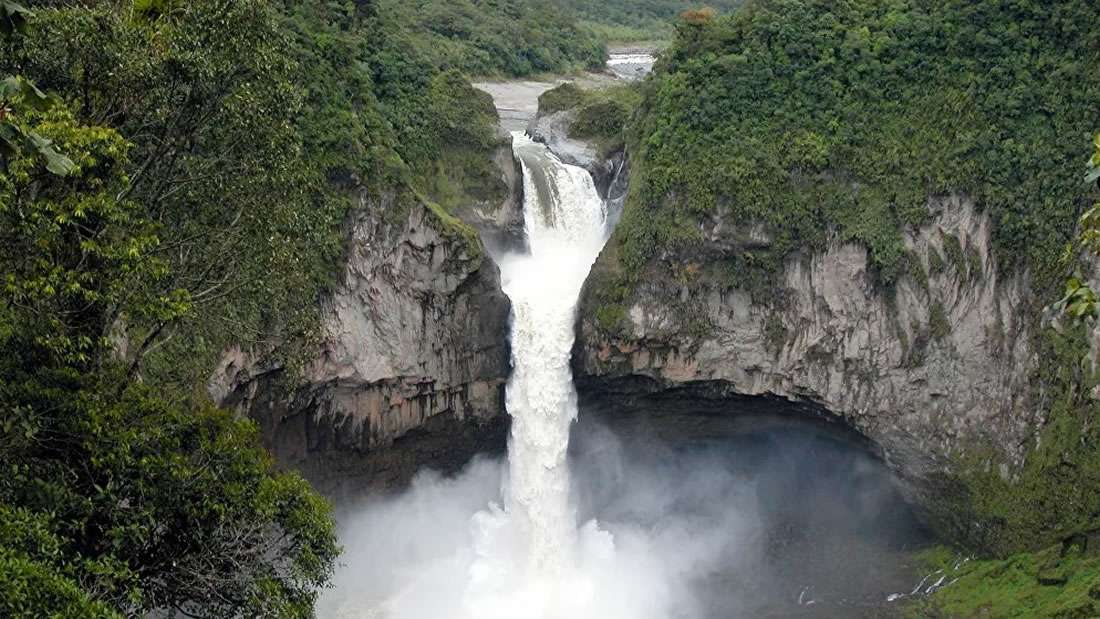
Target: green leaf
(55,162)
(19,87)
(10,140)
(13,18)
(1092,176)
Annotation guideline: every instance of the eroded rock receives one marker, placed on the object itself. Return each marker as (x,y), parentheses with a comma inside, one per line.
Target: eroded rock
(411,364)
(941,364)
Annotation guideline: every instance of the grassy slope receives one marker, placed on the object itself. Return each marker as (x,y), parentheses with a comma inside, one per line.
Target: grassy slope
(1036,585)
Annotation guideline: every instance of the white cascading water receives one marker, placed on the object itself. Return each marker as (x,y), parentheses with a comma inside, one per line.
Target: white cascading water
(527,551)
(526,556)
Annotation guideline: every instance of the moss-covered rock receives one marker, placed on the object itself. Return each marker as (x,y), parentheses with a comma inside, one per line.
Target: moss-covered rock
(1039,585)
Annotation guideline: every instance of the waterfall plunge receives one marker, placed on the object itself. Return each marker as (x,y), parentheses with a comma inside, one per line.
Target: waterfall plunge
(688,541)
(565,223)
(421,555)
(528,553)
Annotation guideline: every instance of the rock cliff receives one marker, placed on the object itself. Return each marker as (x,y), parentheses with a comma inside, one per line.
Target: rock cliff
(923,370)
(412,360)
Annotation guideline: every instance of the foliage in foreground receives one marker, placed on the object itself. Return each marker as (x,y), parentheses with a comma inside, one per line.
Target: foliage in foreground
(114,501)
(251,123)
(182,188)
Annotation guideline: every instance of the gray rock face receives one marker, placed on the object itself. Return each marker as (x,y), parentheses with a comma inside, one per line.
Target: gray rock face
(553,131)
(500,226)
(946,362)
(411,365)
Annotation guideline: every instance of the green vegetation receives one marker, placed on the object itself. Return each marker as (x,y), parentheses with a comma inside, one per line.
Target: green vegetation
(775,332)
(1042,508)
(601,115)
(1079,301)
(813,116)
(628,21)
(113,501)
(939,327)
(1044,503)
(915,269)
(1060,582)
(16,139)
(281,112)
(953,251)
(182,187)
(612,318)
(496,37)
(827,120)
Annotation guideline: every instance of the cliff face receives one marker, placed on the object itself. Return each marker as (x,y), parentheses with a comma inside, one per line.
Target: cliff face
(411,365)
(943,362)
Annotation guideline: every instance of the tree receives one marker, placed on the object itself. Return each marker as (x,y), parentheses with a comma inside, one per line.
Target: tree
(145,503)
(16,93)
(115,501)
(203,93)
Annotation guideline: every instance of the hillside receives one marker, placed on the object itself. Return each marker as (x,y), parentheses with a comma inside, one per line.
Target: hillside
(496,38)
(867,205)
(639,20)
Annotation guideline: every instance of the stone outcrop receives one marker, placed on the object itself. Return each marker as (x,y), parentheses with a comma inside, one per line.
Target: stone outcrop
(500,226)
(553,131)
(411,364)
(922,372)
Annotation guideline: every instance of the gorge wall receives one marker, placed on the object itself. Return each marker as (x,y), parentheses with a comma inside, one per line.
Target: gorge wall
(414,354)
(923,370)
(412,359)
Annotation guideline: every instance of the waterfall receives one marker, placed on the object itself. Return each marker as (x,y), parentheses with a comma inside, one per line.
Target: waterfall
(535,536)
(472,547)
(565,224)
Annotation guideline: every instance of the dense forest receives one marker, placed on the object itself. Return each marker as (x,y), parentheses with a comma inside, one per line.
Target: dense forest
(174,178)
(495,37)
(793,102)
(833,122)
(639,20)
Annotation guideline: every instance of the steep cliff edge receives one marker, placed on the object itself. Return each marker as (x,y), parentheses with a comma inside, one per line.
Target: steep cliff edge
(411,363)
(939,361)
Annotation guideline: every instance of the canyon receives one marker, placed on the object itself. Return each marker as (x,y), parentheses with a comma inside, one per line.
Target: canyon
(414,357)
